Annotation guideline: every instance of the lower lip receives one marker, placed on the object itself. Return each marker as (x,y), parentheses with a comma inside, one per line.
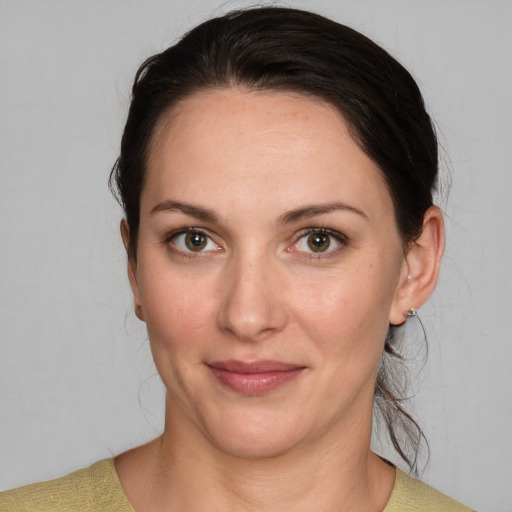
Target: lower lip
(255,383)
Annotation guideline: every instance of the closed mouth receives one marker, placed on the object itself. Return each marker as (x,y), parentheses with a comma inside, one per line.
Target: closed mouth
(254,378)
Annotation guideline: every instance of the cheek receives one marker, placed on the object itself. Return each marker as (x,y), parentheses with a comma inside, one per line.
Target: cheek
(177,317)
(347,313)
(178,311)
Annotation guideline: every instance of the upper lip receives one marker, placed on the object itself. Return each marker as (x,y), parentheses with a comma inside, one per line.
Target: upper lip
(262,366)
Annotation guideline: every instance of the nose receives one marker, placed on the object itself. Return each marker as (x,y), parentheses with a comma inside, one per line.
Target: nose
(252,307)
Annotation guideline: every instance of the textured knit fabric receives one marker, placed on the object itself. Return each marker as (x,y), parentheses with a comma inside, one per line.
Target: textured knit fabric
(97,489)
(94,489)
(411,495)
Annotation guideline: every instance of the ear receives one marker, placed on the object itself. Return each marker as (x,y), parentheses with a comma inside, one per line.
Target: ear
(420,271)
(132,271)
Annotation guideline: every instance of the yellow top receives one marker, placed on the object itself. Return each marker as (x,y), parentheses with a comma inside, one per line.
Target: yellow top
(97,489)
(93,489)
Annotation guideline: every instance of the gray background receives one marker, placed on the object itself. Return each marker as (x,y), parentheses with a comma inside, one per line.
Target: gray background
(76,378)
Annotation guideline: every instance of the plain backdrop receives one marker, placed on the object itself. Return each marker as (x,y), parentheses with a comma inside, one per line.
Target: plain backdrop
(76,379)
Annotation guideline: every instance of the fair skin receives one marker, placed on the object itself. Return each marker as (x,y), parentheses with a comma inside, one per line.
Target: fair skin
(268,269)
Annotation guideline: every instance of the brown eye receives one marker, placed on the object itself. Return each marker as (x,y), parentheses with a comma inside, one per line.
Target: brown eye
(192,240)
(318,242)
(195,241)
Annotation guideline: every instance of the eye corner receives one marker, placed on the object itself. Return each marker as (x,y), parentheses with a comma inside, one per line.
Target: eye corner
(191,242)
(319,242)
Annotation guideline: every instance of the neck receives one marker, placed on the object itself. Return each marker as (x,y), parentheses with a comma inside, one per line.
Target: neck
(332,473)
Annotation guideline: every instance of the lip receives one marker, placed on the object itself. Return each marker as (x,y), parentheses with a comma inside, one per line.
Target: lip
(254,378)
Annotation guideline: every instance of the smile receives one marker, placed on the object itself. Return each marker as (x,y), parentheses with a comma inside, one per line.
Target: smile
(255,378)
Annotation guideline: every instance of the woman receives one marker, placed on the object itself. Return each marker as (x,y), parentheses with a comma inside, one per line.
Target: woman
(276,173)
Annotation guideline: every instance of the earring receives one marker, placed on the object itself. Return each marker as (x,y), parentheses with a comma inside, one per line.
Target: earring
(412,312)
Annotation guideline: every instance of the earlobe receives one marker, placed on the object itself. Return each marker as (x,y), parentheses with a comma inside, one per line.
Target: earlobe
(132,271)
(421,268)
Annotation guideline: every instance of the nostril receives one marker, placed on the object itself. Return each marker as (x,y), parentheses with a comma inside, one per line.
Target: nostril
(252,307)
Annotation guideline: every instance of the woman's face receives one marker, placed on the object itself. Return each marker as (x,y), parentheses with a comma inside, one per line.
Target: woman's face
(267,265)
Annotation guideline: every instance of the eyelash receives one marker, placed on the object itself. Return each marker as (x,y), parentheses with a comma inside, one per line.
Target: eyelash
(170,241)
(341,239)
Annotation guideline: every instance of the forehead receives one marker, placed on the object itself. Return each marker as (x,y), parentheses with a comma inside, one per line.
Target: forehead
(260,144)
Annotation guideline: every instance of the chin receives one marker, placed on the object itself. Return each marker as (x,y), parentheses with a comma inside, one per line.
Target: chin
(256,447)
(250,437)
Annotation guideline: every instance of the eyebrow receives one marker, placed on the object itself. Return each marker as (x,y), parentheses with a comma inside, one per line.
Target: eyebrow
(198,212)
(306,212)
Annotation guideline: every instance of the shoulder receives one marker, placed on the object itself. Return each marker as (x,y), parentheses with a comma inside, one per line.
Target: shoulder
(411,495)
(91,489)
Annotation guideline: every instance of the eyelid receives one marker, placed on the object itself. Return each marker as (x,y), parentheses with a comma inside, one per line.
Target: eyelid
(172,235)
(339,237)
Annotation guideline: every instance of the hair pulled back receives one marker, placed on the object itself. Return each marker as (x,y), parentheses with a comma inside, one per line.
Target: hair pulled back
(282,49)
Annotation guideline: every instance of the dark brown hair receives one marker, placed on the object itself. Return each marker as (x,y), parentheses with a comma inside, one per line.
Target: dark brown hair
(282,49)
